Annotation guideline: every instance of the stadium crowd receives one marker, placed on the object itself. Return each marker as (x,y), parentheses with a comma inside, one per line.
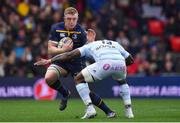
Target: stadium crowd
(148,29)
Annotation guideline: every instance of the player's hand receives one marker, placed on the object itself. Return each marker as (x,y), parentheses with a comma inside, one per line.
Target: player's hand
(42,62)
(67,47)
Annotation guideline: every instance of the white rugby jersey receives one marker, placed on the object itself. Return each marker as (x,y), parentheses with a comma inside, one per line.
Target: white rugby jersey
(104,50)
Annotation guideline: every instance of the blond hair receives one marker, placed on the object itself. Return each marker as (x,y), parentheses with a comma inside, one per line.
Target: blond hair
(70,10)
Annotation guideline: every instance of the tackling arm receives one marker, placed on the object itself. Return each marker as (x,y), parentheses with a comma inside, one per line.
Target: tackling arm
(129,60)
(66,56)
(61,57)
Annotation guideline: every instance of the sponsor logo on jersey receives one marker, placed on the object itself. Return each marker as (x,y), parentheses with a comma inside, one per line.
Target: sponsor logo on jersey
(74,36)
(106,66)
(62,34)
(42,91)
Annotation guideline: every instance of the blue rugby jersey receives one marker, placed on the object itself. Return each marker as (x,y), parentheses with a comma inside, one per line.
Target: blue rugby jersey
(78,36)
(58,32)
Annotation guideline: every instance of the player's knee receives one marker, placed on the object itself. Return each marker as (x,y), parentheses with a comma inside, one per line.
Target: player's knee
(50,79)
(79,79)
(87,76)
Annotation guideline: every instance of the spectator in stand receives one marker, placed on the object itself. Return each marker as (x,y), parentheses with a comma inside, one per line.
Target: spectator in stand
(29,21)
(123,40)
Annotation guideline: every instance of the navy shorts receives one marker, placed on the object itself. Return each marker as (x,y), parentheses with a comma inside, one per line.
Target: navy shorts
(72,67)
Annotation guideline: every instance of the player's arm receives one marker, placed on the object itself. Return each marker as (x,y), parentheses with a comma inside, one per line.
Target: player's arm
(54,50)
(129,60)
(61,57)
(66,56)
(53,42)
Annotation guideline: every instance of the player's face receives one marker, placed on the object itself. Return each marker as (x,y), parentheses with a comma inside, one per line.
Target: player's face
(70,21)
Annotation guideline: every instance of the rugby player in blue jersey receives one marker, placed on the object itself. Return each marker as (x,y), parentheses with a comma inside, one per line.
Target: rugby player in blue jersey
(69,28)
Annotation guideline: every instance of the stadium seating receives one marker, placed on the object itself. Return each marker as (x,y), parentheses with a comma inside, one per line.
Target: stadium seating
(155,27)
(175,43)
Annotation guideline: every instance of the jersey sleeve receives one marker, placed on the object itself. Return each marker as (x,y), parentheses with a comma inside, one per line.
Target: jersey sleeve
(83,50)
(53,36)
(123,52)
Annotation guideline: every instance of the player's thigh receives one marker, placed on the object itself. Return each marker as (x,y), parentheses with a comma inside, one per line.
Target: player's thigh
(95,72)
(54,72)
(120,75)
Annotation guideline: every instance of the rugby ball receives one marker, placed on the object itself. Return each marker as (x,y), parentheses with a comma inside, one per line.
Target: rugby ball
(65,41)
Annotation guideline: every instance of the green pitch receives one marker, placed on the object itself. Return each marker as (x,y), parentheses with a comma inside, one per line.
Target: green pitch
(47,111)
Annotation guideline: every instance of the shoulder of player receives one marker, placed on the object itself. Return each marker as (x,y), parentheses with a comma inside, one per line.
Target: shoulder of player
(113,42)
(79,28)
(92,43)
(98,41)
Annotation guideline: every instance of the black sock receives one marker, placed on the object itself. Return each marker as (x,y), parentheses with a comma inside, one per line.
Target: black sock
(60,88)
(97,101)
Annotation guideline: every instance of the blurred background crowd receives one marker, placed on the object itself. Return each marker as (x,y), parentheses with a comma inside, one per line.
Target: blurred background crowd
(148,29)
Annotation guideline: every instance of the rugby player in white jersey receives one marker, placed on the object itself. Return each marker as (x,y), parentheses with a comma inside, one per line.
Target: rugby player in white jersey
(110,58)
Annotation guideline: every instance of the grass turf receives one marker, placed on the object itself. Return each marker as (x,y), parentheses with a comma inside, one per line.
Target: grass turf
(47,111)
